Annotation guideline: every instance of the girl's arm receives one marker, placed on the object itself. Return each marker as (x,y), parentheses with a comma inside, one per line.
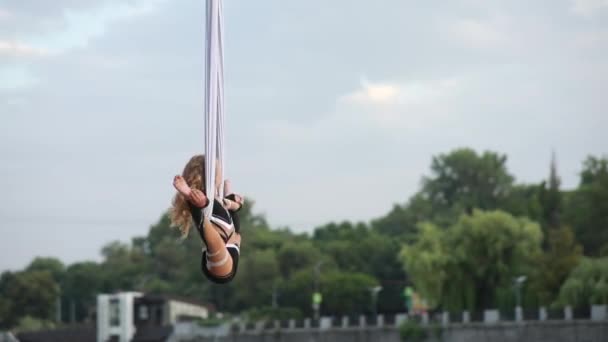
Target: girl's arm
(232,201)
(194,196)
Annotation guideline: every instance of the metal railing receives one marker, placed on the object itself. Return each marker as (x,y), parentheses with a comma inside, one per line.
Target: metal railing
(594,313)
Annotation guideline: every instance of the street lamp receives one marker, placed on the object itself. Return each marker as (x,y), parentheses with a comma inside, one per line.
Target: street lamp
(518,282)
(317,274)
(59,305)
(275,296)
(374,292)
(316,304)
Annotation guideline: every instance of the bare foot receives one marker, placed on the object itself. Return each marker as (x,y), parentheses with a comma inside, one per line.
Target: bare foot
(180,185)
(198,198)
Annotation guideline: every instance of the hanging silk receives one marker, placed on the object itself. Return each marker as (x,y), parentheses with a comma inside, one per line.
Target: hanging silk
(214,102)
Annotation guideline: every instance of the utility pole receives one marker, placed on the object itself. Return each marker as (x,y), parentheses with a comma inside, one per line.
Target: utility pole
(316,297)
(59,308)
(72,312)
(275,296)
(58,305)
(374,292)
(518,283)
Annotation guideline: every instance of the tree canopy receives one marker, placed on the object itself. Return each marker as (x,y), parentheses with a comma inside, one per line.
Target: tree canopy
(459,240)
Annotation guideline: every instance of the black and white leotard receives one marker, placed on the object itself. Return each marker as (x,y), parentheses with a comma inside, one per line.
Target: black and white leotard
(228,223)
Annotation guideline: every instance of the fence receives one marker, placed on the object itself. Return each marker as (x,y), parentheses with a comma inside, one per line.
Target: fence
(593,313)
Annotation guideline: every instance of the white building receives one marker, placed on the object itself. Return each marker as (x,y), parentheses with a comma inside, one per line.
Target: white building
(121,316)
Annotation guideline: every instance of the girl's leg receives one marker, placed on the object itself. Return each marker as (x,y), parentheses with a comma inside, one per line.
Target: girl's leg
(235,239)
(219,261)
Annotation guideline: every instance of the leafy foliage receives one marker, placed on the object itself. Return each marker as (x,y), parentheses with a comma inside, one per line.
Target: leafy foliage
(459,240)
(587,207)
(464,180)
(587,284)
(412,331)
(554,266)
(461,267)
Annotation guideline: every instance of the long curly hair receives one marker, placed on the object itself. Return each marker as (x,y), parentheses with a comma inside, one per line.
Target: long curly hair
(194,174)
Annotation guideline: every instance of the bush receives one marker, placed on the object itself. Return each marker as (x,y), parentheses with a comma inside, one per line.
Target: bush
(411,331)
(29,324)
(269,313)
(211,322)
(436,330)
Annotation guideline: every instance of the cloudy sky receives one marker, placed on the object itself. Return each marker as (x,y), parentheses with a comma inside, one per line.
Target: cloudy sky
(334,107)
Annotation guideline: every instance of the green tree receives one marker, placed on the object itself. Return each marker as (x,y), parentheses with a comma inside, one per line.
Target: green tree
(52,265)
(340,242)
(124,268)
(551,198)
(464,266)
(554,265)
(426,262)
(346,293)
(587,207)
(296,255)
(493,248)
(298,289)
(80,286)
(31,293)
(587,284)
(172,265)
(5,313)
(258,274)
(361,249)
(401,221)
(523,200)
(463,180)
(7,319)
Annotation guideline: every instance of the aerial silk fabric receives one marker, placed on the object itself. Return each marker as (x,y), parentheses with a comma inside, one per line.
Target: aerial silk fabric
(214,101)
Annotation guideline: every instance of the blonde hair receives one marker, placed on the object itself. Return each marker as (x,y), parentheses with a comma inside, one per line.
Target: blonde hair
(194,174)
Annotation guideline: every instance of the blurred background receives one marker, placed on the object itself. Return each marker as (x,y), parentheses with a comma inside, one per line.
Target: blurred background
(396,156)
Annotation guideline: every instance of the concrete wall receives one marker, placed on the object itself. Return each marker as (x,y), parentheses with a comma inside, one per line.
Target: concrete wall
(177,309)
(550,331)
(7,337)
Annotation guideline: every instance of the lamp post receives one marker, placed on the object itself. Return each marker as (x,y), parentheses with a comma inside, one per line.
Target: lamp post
(58,313)
(317,274)
(518,283)
(275,296)
(317,298)
(374,292)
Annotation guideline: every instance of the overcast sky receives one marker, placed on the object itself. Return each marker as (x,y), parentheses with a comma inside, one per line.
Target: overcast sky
(335,108)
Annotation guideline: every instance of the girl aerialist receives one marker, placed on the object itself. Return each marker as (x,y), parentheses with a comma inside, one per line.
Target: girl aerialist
(220,232)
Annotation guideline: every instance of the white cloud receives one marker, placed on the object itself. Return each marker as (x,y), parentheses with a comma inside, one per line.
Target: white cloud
(588,7)
(19,49)
(83,25)
(373,93)
(383,107)
(402,94)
